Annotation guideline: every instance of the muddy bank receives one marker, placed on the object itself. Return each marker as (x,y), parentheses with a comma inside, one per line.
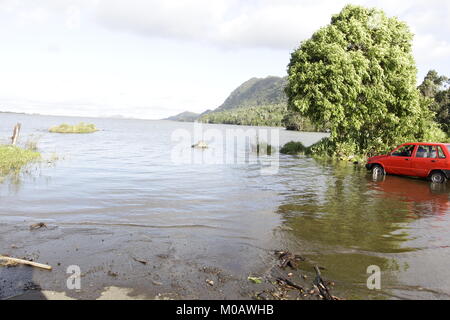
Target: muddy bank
(118,262)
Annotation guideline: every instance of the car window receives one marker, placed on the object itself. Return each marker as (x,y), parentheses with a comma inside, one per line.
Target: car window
(441,153)
(427,152)
(405,151)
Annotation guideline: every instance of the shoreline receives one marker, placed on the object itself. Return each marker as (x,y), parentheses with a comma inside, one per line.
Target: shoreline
(112,268)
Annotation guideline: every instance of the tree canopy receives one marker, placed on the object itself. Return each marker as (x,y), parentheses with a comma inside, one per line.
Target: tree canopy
(436,88)
(357,76)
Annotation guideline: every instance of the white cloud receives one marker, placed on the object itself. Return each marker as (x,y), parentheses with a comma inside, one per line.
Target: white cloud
(271,24)
(276,24)
(193,20)
(79,55)
(431,47)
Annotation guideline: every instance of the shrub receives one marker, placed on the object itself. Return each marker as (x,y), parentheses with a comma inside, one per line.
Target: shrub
(293,148)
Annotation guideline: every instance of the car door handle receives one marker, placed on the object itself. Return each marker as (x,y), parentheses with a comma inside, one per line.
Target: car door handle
(407,159)
(434,161)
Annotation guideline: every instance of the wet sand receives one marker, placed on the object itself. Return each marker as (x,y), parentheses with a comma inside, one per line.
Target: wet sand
(126,263)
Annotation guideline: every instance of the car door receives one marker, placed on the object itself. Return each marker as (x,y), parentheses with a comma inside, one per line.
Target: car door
(400,161)
(426,159)
(440,161)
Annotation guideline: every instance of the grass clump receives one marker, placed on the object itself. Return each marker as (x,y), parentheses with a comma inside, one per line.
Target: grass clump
(13,159)
(325,149)
(78,128)
(263,148)
(294,148)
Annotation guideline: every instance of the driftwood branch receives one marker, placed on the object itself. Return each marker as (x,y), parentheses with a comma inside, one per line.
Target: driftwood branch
(323,289)
(26,262)
(290,284)
(15,135)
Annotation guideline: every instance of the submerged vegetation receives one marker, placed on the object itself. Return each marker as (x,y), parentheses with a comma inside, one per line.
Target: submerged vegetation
(13,159)
(294,148)
(263,148)
(78,128)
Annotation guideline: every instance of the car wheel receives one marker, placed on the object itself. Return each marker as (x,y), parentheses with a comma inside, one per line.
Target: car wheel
(438,177)
(377,171)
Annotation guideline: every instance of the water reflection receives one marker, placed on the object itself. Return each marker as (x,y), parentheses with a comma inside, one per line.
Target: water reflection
(357,222)
(420,197)
(352,213)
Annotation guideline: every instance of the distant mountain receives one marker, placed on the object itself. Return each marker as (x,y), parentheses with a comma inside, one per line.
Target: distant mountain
(185,117)
(257,92)
(252,93)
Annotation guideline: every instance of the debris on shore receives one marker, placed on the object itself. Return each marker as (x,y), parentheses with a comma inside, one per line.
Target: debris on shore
(200,145)
(37,226)
(255,280)
(288,259)
(15,261)
(112,274)
(293,285)
(140,260)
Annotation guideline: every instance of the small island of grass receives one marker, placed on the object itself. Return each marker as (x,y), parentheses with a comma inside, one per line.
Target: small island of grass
(78,128)
(13,159)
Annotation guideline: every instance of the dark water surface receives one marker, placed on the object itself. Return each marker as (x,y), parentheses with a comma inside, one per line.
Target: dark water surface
(122,183)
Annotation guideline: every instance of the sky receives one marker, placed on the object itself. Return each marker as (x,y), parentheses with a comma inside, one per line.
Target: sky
(153,59)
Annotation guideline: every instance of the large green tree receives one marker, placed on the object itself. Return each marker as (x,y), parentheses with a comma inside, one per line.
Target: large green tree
(435,87)
(358,76)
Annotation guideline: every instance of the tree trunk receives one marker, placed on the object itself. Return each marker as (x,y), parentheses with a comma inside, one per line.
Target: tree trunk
(15,135)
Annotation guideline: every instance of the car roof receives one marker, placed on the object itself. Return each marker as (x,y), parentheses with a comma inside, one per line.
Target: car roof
(426,143)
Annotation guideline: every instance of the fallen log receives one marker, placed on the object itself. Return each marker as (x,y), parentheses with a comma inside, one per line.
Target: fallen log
(26,262)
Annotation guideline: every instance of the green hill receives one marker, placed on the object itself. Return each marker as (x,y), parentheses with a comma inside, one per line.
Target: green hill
(256,102)
(257,92)
(252,93)
(184,117)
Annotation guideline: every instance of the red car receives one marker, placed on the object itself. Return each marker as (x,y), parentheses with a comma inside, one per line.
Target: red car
(423,160)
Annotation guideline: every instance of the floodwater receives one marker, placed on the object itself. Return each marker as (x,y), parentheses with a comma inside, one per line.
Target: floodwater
(124,195)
